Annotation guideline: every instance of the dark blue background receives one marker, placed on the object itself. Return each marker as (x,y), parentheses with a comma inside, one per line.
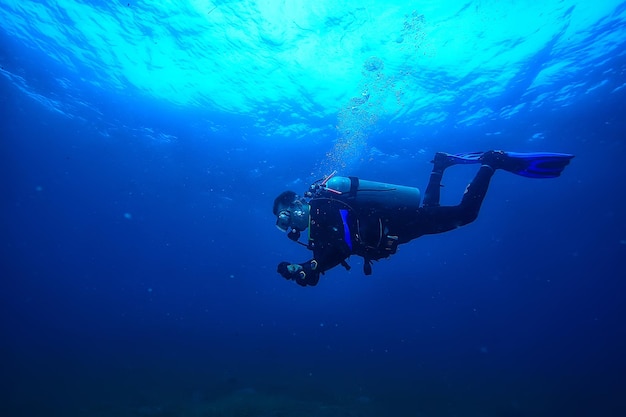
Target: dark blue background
(520,313)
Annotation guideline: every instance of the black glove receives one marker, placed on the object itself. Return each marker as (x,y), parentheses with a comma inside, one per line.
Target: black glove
(303,274)
(297,270)
(284,271)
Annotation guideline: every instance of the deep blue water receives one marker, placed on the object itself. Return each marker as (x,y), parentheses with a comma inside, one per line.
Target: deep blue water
(139,248)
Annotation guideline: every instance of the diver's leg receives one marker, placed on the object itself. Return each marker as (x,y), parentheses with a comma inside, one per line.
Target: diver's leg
(475,193)
(433,189)
(436,219)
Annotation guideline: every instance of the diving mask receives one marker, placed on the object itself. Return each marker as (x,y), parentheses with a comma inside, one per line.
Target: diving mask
(296,217)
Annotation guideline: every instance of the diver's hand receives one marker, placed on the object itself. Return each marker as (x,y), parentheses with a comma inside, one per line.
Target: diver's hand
(303,274)
(290,271)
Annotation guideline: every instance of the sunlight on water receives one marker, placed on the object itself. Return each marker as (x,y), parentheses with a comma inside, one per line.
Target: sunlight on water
(356,62)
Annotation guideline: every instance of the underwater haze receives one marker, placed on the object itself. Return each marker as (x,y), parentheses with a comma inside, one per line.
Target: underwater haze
(142,144)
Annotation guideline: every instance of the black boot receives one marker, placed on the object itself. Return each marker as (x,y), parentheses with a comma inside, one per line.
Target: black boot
(442,161)
(500,160)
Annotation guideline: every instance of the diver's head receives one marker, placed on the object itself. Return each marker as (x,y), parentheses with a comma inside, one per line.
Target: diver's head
(291,211)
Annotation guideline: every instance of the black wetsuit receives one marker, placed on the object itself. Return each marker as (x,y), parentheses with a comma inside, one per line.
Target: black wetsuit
(340,228)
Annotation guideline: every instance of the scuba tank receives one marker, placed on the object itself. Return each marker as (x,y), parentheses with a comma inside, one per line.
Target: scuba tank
(367,193)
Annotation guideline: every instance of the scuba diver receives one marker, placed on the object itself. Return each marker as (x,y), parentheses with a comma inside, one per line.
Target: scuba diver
(349,216)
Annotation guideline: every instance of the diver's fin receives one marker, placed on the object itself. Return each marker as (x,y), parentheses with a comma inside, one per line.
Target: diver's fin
(444,160)
(532,165)
(540,164)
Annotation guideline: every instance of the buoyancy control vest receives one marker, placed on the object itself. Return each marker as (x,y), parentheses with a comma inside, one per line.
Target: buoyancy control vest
(378,209)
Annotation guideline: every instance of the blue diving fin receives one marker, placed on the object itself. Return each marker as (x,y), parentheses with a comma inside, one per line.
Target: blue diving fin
(532,165)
